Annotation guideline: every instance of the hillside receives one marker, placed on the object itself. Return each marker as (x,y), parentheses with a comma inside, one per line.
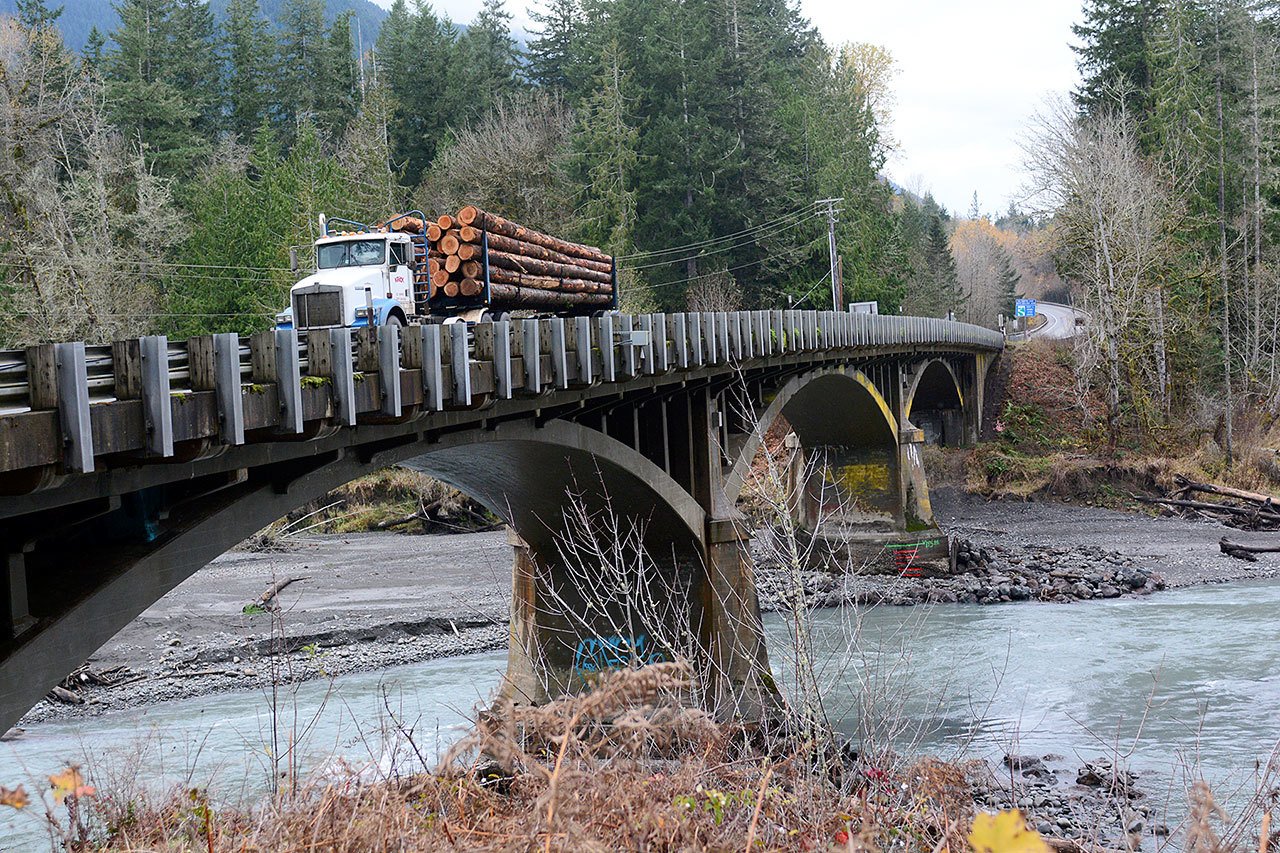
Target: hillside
(79,17)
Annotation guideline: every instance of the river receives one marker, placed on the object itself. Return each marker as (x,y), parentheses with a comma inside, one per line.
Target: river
(1183,681)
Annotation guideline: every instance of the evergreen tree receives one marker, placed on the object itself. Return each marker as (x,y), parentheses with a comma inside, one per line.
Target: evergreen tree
(250,53)
(605,156)
(410,47)
(144,101)
(36,14)
(196,63)
(1007,280)
(489,61)
(304,61)
(554,56)
(340,92)
(1112,55)
(94,51)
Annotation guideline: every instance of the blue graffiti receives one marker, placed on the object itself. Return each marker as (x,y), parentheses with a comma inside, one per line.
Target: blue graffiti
(595,654)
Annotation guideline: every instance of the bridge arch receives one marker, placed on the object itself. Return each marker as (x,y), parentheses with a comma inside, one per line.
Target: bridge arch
(829,407)
(514,470)
(935,402)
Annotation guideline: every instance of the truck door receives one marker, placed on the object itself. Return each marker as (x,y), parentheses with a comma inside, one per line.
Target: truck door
(401,276)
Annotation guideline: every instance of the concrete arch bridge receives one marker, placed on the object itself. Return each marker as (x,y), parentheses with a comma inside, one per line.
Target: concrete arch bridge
(125,468)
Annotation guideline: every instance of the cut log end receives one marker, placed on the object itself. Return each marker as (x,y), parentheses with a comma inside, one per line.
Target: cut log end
(468,215)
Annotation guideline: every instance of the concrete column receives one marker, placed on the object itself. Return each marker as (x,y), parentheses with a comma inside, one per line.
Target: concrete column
(741,682)
(523,683)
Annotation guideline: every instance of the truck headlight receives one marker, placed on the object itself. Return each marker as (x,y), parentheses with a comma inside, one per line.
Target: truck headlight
(362,311)
(284,317)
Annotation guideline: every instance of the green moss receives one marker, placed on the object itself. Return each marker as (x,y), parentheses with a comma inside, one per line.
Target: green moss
(314,381)
(255,388)
(358,376)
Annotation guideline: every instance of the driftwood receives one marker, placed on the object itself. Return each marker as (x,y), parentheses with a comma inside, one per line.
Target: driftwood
(267,600)
(1185,485)
(1206,506)
(62,694)
(1249,553)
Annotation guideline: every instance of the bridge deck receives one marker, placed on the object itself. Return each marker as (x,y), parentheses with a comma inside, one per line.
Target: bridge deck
(72,408)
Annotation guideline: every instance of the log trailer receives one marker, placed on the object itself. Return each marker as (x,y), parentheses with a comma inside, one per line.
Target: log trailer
(472,267)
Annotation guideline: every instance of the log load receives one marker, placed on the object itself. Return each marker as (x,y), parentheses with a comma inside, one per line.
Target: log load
(525,268)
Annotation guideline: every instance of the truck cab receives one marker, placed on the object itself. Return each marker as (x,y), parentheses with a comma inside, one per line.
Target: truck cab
(364,275)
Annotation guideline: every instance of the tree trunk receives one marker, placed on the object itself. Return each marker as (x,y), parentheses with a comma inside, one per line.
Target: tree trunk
(536,266)
(572,285)
(513,296)
(495,224)
(542,253)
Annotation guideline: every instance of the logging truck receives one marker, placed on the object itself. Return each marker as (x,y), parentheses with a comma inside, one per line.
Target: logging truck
(475,266)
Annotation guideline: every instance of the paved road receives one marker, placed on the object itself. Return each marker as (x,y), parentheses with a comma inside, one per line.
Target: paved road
(1059,321)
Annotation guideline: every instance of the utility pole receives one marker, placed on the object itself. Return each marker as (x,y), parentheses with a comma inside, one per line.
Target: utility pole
(833,211)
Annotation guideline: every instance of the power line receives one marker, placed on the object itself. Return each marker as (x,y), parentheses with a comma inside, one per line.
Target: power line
(747,241)
(785,218)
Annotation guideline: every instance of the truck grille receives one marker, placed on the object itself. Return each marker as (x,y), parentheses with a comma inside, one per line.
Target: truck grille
(313,310)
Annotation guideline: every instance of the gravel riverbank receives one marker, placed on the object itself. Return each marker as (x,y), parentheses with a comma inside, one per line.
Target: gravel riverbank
(369,601)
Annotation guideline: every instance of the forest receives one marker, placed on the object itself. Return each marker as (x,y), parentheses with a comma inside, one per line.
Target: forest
(155,181)
(1161,176)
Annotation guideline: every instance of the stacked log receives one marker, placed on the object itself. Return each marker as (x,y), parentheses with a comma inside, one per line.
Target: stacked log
(527,268)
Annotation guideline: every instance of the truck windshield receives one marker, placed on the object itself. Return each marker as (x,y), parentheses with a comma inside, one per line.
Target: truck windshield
(351,253)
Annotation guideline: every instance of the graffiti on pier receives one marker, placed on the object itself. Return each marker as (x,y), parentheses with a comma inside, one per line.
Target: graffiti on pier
(597,654)
(904,557)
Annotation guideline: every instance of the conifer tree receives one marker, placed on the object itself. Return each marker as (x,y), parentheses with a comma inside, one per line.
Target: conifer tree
(94,51)
(489,60)
(36,14)
(304,61)
(1112,54)
(554,54)
(250,52)
(606,157)
(196,63)
(144,101)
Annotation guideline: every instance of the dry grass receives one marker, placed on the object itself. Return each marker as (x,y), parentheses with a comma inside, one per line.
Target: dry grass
(624,767)
(1044,445)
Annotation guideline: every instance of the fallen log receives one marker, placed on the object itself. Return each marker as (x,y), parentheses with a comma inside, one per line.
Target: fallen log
(1206,506)
(1228,547)
(267,599)
(533,250)
(1187,485)
(62,694)
(494,224)
(512,296)
(537,266)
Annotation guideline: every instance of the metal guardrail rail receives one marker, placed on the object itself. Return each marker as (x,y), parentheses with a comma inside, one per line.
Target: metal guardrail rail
(863,330)
(68,403)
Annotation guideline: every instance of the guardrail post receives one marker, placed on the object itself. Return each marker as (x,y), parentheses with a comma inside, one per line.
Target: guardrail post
(608,352)
(681,338)
(157,408)
(432,367)
(342,373)
(389,370)
(71,393)
(710,340)
(229,388)
(559,352)
(502,358)
(626,328)
(661,357)
(531,354)
(697,352)
(722,336)
(582,340)
(733,321)
(460,360)
(647,349)
(289,380)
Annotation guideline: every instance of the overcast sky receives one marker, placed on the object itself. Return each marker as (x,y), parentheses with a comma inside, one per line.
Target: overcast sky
(970,75)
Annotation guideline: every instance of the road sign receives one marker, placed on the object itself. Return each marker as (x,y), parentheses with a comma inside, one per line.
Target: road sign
(1024,308)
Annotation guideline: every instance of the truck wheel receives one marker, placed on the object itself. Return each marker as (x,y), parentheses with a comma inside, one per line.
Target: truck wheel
(394,320)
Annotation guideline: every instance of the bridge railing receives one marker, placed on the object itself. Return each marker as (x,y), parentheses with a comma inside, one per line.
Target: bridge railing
(65,404)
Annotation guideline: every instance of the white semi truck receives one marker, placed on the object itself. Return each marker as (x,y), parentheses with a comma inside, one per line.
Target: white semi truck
(364,275)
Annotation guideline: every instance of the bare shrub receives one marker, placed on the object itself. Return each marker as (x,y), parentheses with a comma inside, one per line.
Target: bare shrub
(716,291)
(510,161)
